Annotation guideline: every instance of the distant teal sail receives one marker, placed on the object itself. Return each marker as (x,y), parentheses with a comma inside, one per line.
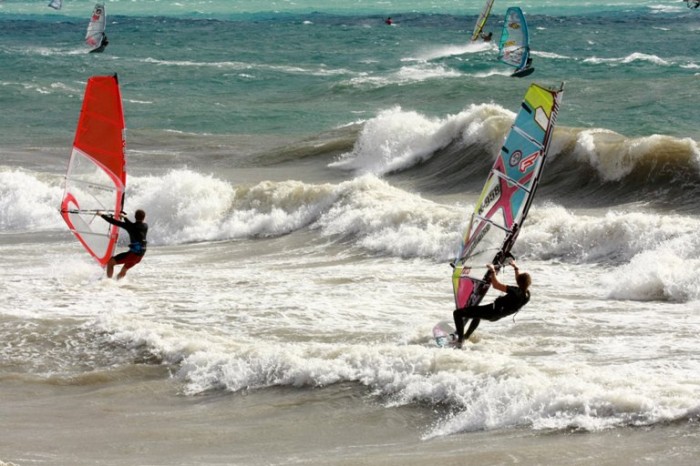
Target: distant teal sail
(514,48)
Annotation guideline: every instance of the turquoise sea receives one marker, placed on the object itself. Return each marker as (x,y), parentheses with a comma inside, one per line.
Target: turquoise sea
(307,172)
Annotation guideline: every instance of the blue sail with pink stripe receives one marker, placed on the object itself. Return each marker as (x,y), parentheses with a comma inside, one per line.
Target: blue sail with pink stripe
(507,195)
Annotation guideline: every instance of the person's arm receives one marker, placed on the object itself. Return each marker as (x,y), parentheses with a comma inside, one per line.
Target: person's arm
(515,268)
(495,282)
(112,220)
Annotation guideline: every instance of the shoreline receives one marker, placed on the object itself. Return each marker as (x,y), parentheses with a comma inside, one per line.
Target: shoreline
(146,422)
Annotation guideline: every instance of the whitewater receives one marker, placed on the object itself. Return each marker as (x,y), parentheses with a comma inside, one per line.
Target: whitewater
(307,173)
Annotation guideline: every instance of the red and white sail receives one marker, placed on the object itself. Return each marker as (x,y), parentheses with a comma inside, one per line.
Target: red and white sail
(96,27)
(96,174)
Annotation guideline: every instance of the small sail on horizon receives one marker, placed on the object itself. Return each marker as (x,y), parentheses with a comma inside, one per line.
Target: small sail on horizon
(481,20)
(96,175)
(514,47)
(505,200)
(95,35)
(56,4)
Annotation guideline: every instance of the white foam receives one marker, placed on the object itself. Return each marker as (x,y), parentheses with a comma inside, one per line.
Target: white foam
(396,139)
(245,66)
(654,257)
(663,274)
(487,387)
(631,58)
(615,235)
(614,156)
(181,206)
(317,314)
(452,50)
(28,203)
(406,74)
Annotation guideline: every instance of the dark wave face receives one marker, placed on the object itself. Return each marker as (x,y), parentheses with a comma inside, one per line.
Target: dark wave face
(584,168)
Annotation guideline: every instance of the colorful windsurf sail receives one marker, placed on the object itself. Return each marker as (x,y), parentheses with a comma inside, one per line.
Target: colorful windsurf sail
(514,47)
(56,4)
(504,202)
(96,27)
(96,174)
(481,20)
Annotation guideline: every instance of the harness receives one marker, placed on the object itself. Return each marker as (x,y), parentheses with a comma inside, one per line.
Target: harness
(137,248)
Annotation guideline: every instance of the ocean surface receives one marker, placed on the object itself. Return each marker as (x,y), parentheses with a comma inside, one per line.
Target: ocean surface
(307,173)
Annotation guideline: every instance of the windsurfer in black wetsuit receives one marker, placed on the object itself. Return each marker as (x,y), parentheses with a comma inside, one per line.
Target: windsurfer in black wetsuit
(515,297)
(137,242)
(524,70)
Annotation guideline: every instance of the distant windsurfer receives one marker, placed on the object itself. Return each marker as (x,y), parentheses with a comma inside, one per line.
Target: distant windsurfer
(486,36)
(515,297)
(137,242)
(103,43)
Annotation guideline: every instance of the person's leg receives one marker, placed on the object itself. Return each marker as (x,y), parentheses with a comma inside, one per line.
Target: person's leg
(119,259)
(129,261)
(476,313)
(110,267)
(122,272)
(475,323)
(460,318)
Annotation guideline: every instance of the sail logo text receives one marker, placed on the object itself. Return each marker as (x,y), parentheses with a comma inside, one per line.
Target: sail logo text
(494,194)
(477,240)
(528,161)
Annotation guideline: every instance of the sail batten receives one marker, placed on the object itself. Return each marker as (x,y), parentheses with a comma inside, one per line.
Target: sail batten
(96,176)
(485,219)
(511,180)
(505,200)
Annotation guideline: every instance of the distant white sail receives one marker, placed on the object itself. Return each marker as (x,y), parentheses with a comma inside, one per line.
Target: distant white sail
(96,27)
(56,4)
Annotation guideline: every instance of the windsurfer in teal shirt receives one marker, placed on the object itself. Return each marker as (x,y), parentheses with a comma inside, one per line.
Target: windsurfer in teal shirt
(515,297)
(137,242)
